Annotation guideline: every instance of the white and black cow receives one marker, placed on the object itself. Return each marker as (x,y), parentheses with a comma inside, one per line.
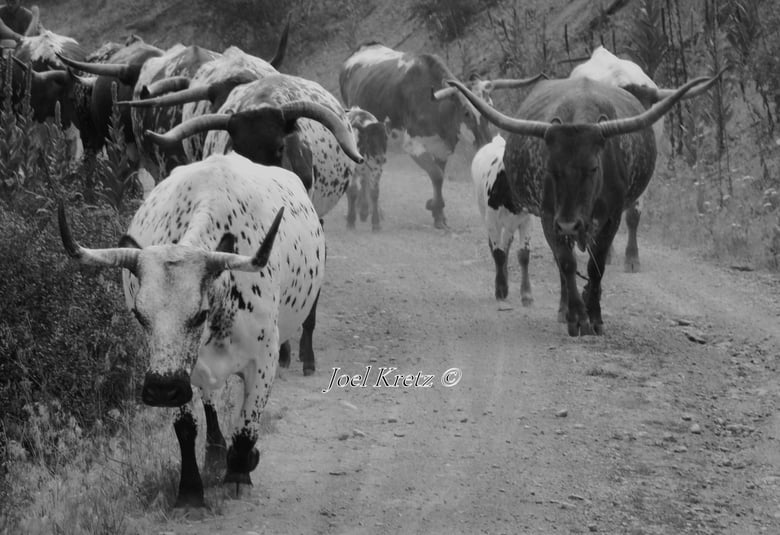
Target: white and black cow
(581,153)
(280,120)
(363,191)
(399,86)
(501,216)
(223,261)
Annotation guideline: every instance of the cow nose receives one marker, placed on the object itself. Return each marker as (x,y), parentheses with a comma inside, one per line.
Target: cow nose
(569,228)
(170,390)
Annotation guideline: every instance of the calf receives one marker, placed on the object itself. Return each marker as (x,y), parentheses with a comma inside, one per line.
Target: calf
(214,296)
(501,216)
(363,190)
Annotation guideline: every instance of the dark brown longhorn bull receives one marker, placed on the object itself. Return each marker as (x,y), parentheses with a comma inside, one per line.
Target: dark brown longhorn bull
(581,154)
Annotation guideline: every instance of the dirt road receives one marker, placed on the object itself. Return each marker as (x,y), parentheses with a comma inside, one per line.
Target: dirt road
(665,425)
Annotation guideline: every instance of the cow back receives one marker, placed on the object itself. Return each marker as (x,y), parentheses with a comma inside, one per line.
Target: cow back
(315,152)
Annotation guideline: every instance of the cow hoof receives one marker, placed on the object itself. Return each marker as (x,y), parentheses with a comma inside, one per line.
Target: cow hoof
(376,227)
(527,300)
(502,292)
(579,328)
(239,465)
(239,478)
(190,500)
(440,223)
(308,372)
(631,265)
(598,329)
(284,355)
(351,225)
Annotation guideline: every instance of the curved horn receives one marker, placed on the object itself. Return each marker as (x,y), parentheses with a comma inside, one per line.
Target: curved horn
(695,92)
(192,94)
(166,85)
(196,125)
(331,121)
(443,93)
(218,262)
(516,126)
(616,127)
(281,48)
(127,73)
(505,83)
(123,257)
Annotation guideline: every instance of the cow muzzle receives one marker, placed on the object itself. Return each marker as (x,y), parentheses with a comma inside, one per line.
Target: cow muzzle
(575,228)
(170,390)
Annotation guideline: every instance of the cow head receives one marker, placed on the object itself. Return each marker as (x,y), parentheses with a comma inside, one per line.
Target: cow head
(170,296)
(574,155)
(259,134)
(47,89)
(474,127)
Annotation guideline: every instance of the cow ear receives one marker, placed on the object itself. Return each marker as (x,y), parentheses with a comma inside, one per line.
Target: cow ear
(556,120)
(128,241)
(227,244)
(602,118)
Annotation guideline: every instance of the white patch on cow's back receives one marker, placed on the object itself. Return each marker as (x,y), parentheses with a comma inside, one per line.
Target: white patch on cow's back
(372,54)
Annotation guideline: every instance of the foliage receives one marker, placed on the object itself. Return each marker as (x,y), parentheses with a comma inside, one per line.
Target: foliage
(64,333)
(447,19)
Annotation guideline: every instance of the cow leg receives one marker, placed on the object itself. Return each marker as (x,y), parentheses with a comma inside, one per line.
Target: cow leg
(216,448)
(591,294)
(305,349)
(435,170)
(632,249)
(284,354)
(190,483)
(242,456)
(524,258)
(374,196)
(365,186)
(572,309)
(499,257)
(352,198)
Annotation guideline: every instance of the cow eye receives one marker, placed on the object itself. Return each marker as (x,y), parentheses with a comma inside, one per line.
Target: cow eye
(141,319)
(199,318)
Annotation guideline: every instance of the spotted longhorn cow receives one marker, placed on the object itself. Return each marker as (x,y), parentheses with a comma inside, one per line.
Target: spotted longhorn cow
(399,86)
(222,261)
(277,120)
(363,190)
(581,154)
(502,218)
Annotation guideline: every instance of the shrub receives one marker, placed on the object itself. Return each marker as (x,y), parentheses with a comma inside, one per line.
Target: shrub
(448,18)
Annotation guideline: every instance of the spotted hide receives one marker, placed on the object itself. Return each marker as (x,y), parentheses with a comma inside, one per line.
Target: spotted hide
(215,294)
(177,61)
(399,86)
(581,154)
(363,191)
(500,216)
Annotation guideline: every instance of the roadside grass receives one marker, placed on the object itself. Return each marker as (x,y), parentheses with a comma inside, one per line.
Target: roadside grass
(120,478)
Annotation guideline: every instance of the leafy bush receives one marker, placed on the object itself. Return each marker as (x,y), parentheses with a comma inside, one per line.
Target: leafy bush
(448,18)
(64,332)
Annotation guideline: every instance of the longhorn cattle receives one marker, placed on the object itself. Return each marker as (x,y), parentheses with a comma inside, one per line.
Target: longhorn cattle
(278,120)
(221,263)
(140,68)
(397,85)
(501,217)
(605,67)
(363,190)
(581,154)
